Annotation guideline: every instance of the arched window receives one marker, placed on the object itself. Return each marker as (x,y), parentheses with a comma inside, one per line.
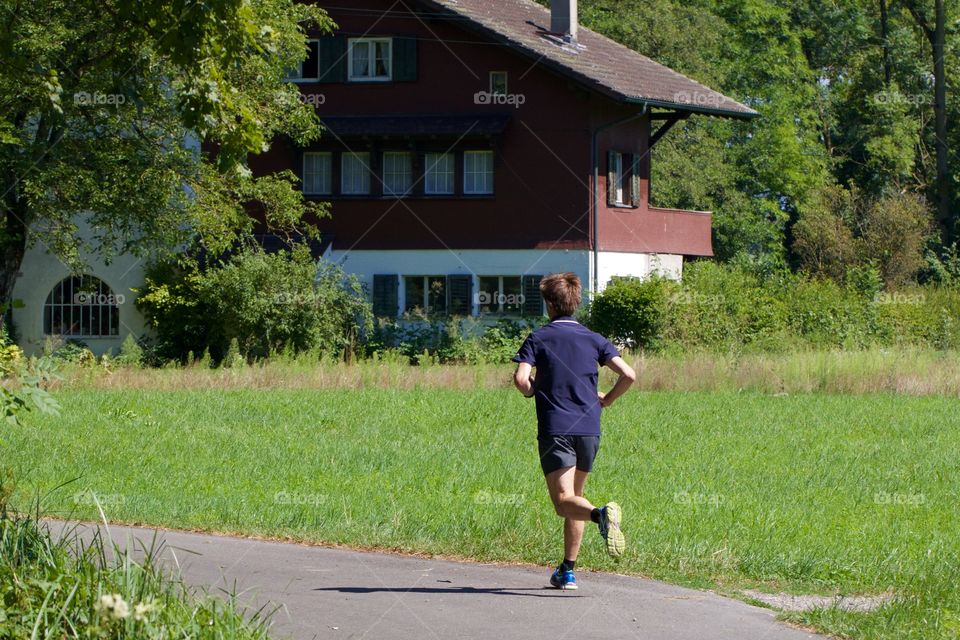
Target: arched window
(82,307)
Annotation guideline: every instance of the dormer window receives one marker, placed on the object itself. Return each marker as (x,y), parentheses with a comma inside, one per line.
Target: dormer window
(371,60)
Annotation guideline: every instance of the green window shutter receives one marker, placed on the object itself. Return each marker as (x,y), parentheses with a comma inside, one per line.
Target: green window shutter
(333,59)
(532,300)
(460,295)
(611,179)
(635,180)
(404,59)
(386,295)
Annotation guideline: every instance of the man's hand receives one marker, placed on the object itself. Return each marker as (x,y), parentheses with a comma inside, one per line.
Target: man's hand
(523,380)
(624,382)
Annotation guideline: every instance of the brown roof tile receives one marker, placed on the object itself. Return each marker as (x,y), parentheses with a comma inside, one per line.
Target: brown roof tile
(595,60)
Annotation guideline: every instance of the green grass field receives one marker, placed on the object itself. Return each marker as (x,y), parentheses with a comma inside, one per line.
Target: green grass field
(799,493)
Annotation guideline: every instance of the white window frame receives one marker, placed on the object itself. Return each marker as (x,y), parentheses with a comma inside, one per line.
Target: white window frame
(389,174)
(432,173)
(500,293)
(300,77)
(620,178)
(364,158)
(371,59)
(89,292)
(467,173)
(327,179)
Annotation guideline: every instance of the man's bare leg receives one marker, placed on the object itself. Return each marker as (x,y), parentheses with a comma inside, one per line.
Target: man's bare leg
(573,529)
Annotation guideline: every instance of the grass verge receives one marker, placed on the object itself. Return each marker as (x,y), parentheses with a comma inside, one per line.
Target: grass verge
(60,587)
(901,371)
(811,493)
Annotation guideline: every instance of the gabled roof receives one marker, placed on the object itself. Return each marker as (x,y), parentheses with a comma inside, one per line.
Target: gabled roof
(594,60)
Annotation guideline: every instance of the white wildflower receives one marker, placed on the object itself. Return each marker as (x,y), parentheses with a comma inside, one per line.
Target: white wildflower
(113,605)
(142,610)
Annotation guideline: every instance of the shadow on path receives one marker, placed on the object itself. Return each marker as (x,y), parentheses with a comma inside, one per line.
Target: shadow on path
(544,592)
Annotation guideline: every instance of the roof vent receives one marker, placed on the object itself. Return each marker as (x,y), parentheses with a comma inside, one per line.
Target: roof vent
(563,19)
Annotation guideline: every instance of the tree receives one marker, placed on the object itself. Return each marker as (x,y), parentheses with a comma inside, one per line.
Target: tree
(106,103)
(936,34)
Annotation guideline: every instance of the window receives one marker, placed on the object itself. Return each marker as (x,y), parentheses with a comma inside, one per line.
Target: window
(500,295)
(308,69)
(318,173)
(440,173)
(82,307)
(371,59)
(397,173)
(498,83)
(426,293)
(619,178)
(355,174)
(478,172)
(623,179)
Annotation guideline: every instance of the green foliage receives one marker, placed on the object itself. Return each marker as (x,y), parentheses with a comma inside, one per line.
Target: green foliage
(253,306)
(131,353)
(733,309)
(105,100)
(23,386)
(846,229)
(55,588)
(423,340)
(631,311)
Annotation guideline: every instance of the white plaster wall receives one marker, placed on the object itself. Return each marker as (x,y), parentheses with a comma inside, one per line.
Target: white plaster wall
(41,271)
(639,265)
(366,264)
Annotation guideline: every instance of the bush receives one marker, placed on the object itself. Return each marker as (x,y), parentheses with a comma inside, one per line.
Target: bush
(449,340)
(726,308)
(266,303)
(844,229)
(632,312)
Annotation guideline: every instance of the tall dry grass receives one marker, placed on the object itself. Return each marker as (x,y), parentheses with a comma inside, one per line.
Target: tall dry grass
(900,371)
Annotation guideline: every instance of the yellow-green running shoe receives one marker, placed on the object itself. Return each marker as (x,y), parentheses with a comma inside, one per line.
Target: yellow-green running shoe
(610,517)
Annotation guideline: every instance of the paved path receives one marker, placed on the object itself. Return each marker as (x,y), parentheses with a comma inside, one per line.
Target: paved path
(330,593)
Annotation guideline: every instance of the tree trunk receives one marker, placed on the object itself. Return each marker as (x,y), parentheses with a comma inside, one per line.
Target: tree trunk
(885,44)
(13,244)
(937,35)
(940,113)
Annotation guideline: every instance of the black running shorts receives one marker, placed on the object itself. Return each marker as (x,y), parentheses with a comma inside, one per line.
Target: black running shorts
(560,452)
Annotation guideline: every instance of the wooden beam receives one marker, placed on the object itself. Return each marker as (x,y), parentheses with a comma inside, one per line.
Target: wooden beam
(665,127)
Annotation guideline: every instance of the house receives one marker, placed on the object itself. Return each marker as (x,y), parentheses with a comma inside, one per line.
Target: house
(471,146)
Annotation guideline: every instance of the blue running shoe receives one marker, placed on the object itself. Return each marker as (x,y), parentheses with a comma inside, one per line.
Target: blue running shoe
(563,580)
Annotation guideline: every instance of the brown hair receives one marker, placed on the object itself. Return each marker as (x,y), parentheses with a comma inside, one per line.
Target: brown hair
(562,291)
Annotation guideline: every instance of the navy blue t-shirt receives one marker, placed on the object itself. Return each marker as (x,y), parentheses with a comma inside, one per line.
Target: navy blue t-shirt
(567,356)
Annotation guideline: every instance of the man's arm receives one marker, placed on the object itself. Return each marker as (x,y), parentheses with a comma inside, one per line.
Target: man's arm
(627,377)
(523,380)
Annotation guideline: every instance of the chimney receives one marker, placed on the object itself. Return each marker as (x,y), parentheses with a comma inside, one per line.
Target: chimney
(563,18)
